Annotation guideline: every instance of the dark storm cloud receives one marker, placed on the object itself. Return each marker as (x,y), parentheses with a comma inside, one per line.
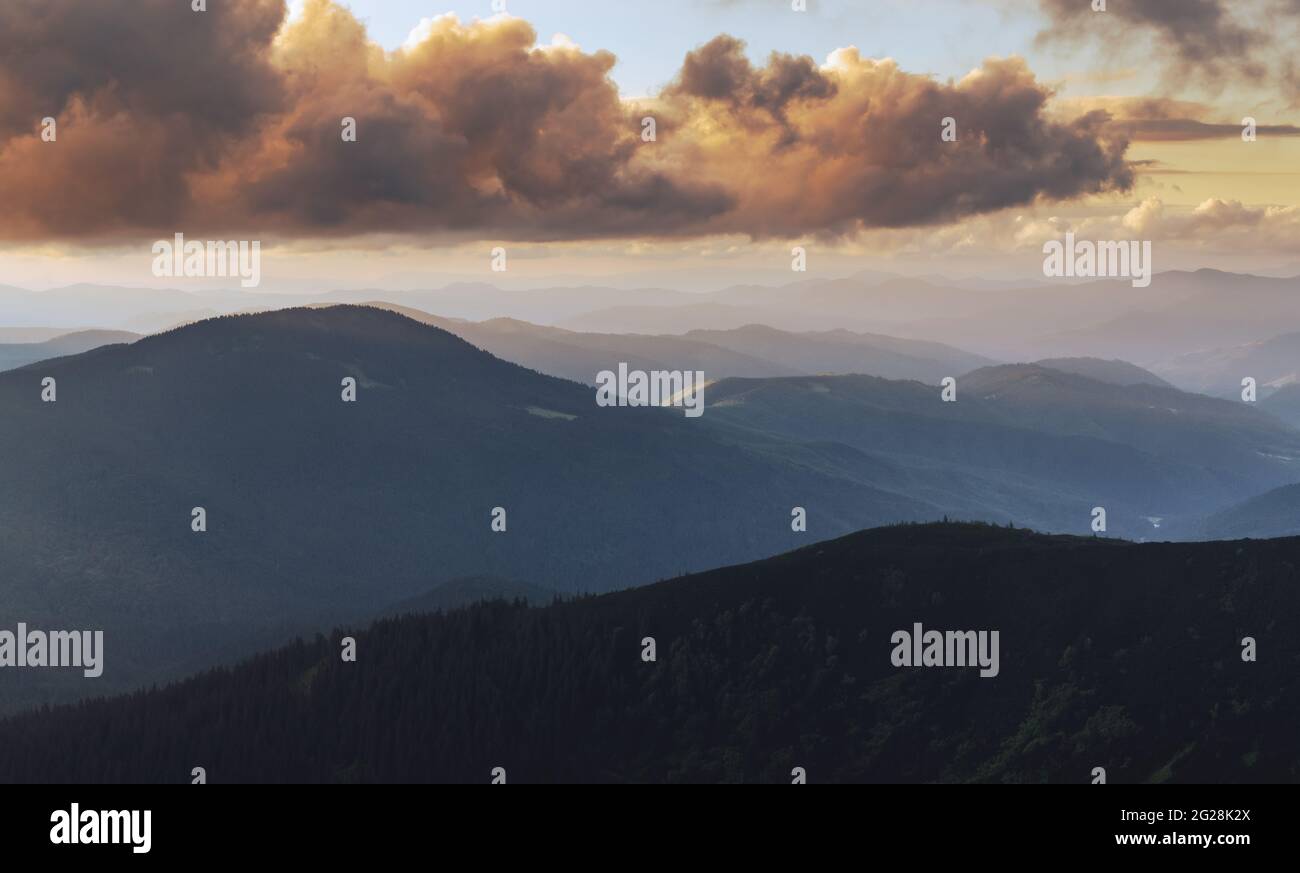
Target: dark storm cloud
(152,58)
(720,71)
(1207,37)
(145,92)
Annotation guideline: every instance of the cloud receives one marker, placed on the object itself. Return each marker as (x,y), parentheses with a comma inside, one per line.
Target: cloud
(1159,119)
(1223,223)
(719,71)
(1199,31)
(227,123)
(1214,42)
(1224,227)
(856,143)
(146,93)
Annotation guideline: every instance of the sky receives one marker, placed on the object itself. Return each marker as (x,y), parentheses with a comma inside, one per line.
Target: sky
(520,129)
(936,36)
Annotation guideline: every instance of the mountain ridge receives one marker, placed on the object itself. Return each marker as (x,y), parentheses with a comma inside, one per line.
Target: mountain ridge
(1112,654)
(320,510)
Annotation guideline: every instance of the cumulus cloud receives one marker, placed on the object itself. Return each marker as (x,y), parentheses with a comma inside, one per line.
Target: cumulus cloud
(145,93)
(228,122)
(856,143)
(1219,222)
(719,72)
(1223,227)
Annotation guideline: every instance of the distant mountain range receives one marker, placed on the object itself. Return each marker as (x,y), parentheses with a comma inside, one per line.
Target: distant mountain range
(1275,513)
(109,307)
(1164,327)
(1232,438)
(30,335)
(1274,364)
(1108,372)
(14,355)
(754,351)
(1110,655)
(319,510)
(1034,445)
(843,351)
(1284,403)
(1180,313)
(322,512)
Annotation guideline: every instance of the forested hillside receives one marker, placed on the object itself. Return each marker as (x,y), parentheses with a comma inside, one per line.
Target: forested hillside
(1114,655)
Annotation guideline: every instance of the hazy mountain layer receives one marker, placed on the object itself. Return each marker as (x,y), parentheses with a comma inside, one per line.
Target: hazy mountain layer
(752,351)
(321,511)
(1275,513)
(1273,363)
(1179,314)
(14,355)
(1034,445)
(1284,404)
(1110,372)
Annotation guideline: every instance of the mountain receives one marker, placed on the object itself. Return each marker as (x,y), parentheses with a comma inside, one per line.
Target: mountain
(101,305)
(25,335)
(14,355)
(1110,654)
(1109,372)
(1284,404)
(843,351)
(1273,364)
(679,320)
(479,301)
(468,590)
(580,356)
(752,351)
(319,511)
(1179,313)
(1234,439)
(1274,513)
(808,305)
(1031,444)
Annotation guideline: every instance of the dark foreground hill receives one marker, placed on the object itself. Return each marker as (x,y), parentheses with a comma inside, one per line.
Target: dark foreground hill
(1112,655)
(454,593)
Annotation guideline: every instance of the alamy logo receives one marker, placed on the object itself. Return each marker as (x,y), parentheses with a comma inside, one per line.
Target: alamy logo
(84,649)
(1106,259)
(103,827)
(195,260)
(932,648)
(655,388)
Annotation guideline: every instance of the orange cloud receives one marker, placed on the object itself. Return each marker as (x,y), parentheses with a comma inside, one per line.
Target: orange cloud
(223,123)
